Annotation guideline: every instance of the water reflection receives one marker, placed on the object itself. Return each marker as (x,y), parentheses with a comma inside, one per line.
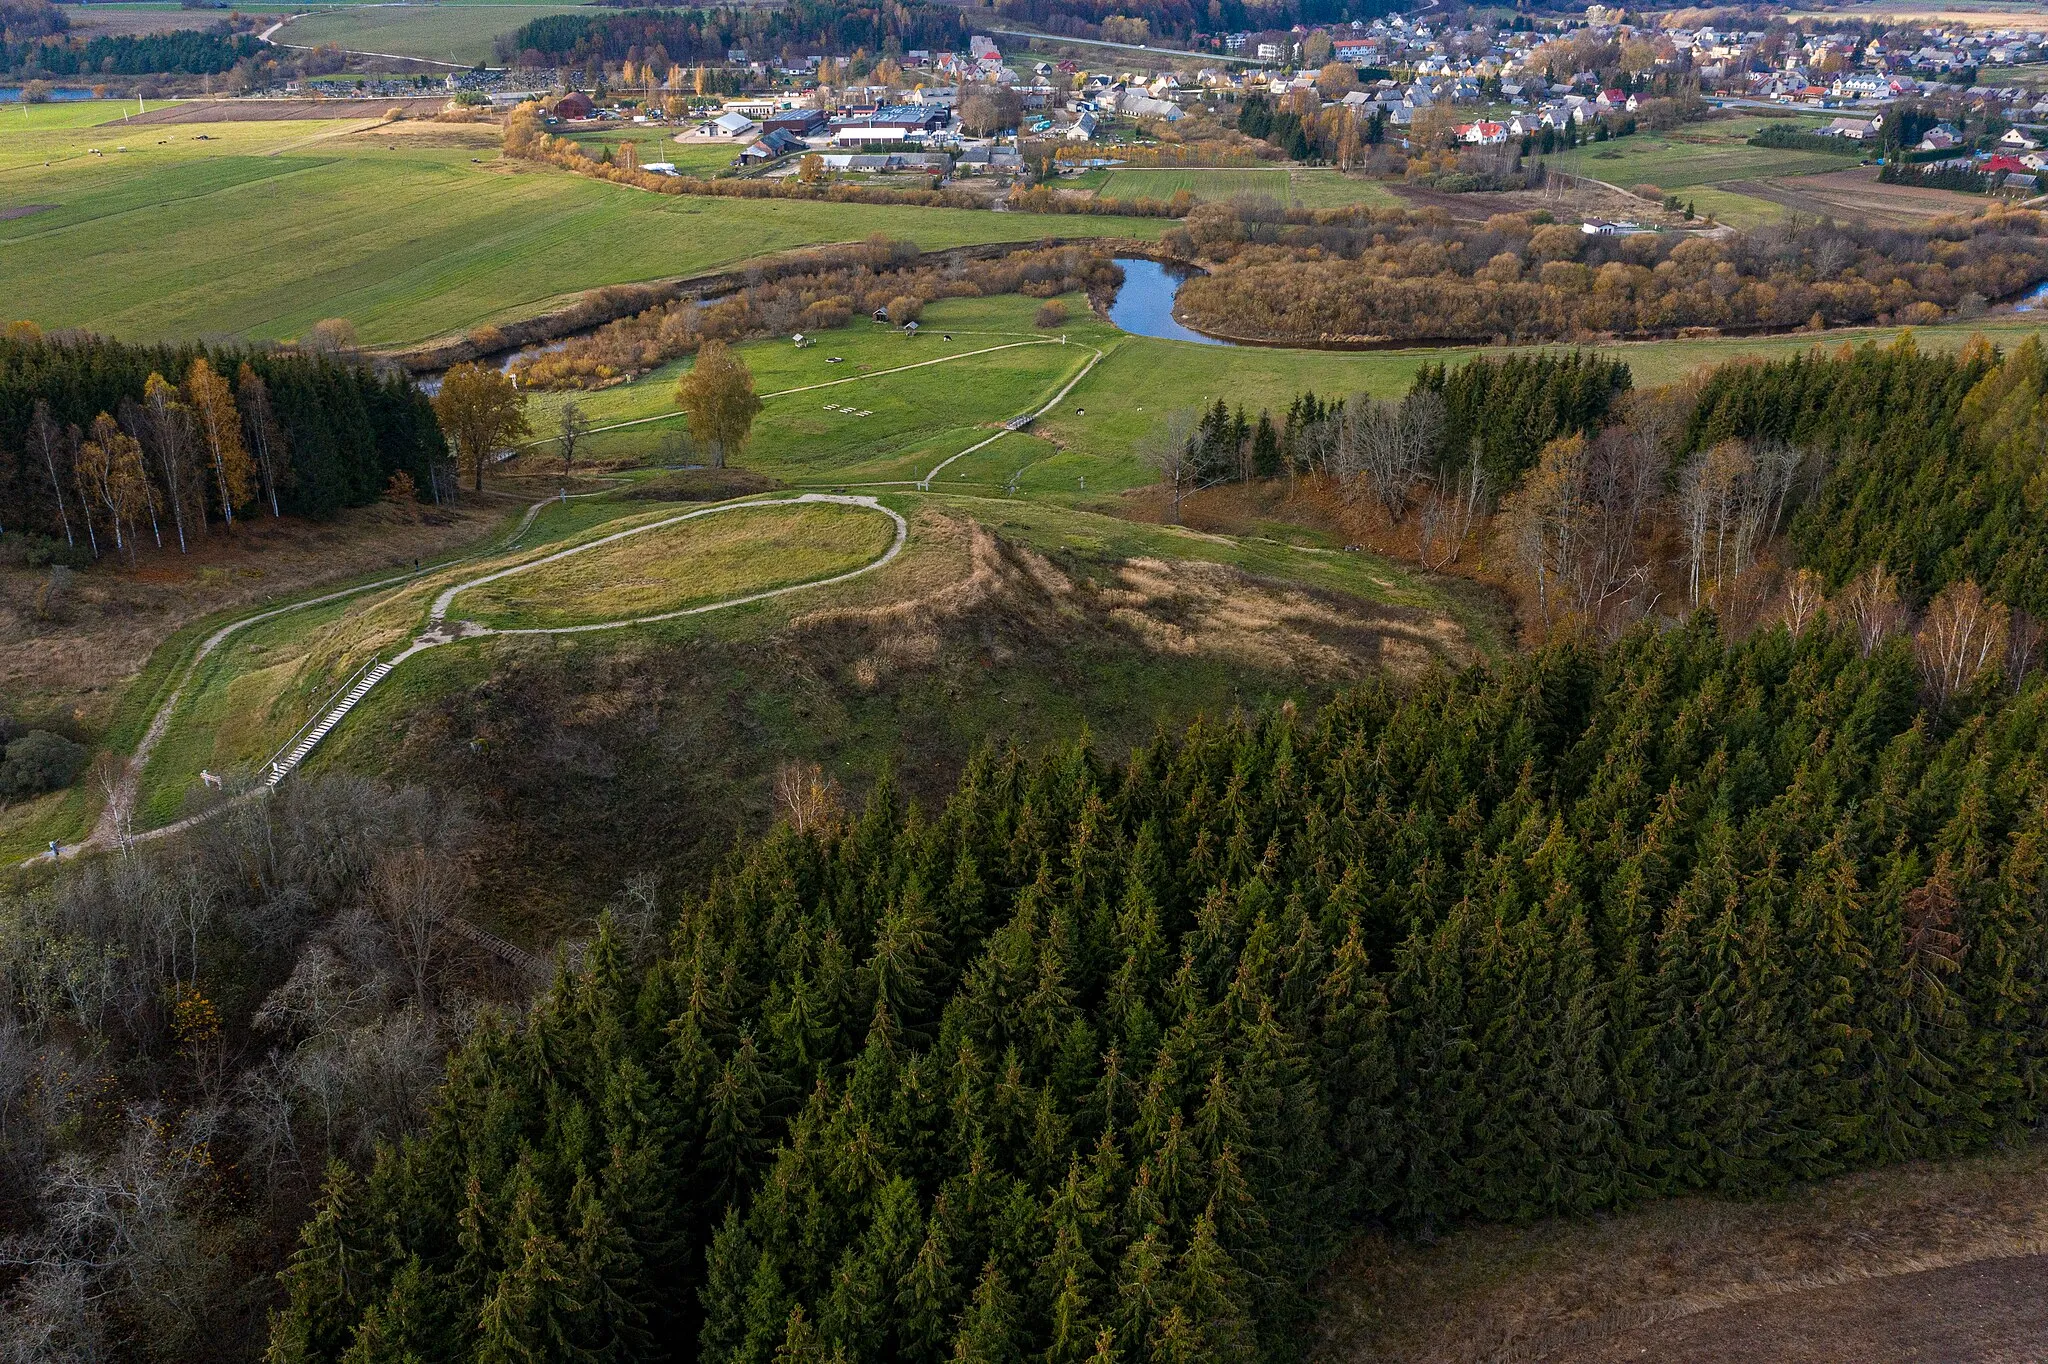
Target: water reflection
(1144,303)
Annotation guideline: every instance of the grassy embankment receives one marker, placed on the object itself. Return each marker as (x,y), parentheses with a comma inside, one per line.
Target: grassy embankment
(692,563)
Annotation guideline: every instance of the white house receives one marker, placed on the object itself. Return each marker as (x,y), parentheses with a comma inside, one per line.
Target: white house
(728,125)
(1082,128)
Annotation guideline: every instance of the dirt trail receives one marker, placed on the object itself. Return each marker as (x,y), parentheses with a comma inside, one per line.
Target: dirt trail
(1991,1312)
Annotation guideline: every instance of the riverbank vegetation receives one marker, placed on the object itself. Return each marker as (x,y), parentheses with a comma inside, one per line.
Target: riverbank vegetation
(809,295)
(1304,276)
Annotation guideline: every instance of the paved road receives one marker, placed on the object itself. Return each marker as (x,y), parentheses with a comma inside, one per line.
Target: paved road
(1131,47)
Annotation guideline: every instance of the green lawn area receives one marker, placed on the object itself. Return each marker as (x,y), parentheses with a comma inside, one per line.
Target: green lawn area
(1310,188)
(1085,447)
(265,228)
(20,120)
(459,32)
(659,144)
(705,559)
(1737,210)
(1698,154)
(914,417)
(1204,184)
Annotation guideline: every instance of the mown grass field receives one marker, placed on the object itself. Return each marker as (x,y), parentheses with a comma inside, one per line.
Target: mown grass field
(1699,154)
(659,144)
(901,424)
(1307,188)
(460,32)
(705,559)
(263,229)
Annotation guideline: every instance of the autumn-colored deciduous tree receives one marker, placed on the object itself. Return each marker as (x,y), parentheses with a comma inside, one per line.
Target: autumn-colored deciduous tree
(111,474)
(332,335)
(1336,79)
(480,410)
(166,425)
(1171,448)
(1873,604)
(718,397)
(266,437)
(218,427)
(1803,600)
(1964,634)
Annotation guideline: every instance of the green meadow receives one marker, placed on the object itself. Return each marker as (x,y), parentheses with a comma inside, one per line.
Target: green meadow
(1699,154)
(262,229)
(1303,188)
(918,417)
(460,32)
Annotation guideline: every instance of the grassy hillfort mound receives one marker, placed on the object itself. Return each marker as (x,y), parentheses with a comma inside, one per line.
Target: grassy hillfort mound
(672,567)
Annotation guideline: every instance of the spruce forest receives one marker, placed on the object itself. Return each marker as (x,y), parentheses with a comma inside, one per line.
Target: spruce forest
(1104,1062)
(101,439)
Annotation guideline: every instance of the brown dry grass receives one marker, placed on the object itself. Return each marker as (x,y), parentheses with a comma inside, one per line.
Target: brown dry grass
(110,618)
(1320,506)
(1557,1290)
(1566,197)
(1185,608)
(1856,196)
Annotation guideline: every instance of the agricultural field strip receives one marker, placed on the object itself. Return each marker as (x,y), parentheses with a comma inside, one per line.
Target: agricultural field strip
(809,388)
(439,611)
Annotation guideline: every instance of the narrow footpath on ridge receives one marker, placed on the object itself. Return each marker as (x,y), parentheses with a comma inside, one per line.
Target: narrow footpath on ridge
(111,829)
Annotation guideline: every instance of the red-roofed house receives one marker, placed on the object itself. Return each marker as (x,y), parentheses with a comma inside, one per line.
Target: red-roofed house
(1482,133)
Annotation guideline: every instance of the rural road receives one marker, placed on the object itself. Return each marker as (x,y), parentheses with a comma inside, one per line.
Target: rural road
(110,830)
